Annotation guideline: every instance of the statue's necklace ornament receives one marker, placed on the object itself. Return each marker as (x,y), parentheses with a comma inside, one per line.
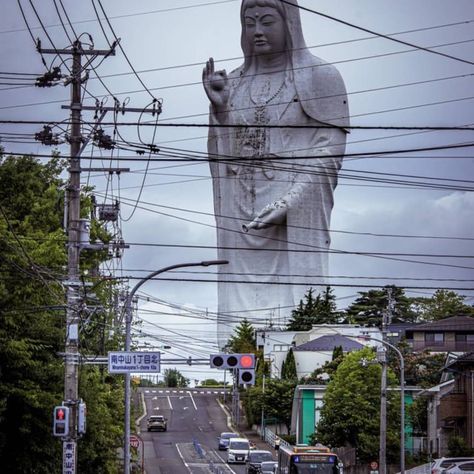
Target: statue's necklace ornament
(264,97)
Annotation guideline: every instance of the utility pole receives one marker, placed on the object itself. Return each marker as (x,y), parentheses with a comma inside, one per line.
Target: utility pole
(382,356)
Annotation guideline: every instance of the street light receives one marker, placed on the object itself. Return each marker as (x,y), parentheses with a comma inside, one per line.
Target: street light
(402,407)
(128,341)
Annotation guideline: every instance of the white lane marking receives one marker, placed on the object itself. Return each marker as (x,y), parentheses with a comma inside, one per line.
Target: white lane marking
(156,408)
(185,408)
(153,391)
(160,391)
(181,391)
(167,391)
(182,459)
(195,391)
(147,391)
(169,401)
(192,399)
(224,462)
(155,398)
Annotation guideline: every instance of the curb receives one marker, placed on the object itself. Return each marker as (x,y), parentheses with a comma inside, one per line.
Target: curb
(140,418)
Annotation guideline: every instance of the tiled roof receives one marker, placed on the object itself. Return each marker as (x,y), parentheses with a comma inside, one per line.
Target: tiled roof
(328,343)
(455,323)
(465,359)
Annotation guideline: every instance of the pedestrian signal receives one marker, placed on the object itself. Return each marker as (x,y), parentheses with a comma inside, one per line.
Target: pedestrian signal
(61,421)
(232,361)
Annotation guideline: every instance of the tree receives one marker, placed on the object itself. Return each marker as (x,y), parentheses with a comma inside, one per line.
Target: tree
(443,304)
(277,401)
(322,375)
(174,378)
(243,341)
(369,307)
(319,310)
(288,369)
(32,328)
(351,410)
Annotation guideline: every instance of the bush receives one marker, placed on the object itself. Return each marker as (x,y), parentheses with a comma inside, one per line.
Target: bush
(457,446)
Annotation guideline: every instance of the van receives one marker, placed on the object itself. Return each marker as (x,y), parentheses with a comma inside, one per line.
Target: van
(238,450)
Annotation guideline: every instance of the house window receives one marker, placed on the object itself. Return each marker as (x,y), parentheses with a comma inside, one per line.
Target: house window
(465,338)
(434,337)
(281,347)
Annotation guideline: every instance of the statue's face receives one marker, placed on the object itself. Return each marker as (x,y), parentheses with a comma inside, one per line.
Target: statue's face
(264,30)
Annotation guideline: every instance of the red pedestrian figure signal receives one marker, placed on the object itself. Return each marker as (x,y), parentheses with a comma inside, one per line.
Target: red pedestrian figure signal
(61,421)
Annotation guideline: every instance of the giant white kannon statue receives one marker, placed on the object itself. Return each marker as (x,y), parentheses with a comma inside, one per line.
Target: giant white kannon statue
(276,142)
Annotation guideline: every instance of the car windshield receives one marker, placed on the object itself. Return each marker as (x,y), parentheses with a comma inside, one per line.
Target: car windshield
(259,457)
(241,445)
(227,435)
(156,418)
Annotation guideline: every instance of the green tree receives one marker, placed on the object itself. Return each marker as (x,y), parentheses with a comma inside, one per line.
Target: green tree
(288,369)
(243,341)
(32,327)
(443,304)
(322,375)
(276,399)
(350,415)
(319,310)
(174,378)
(369,307)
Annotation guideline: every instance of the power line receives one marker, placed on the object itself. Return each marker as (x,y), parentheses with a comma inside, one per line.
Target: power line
(380,35)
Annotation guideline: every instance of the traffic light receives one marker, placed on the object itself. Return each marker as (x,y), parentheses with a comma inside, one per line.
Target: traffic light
(232,361)
(246,376)
(61,421)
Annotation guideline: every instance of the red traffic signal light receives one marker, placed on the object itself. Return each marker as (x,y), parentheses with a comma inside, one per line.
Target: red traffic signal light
(232,361)
(61,421)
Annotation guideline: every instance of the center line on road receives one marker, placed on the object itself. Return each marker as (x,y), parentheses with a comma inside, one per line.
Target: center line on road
(169,401)
(192,399)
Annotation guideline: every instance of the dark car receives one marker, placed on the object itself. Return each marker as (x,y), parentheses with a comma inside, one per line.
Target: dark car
(157,423)
(224,439)
(255,460)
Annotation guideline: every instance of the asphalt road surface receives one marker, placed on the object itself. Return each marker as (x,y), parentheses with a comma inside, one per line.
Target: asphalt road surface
(195,420)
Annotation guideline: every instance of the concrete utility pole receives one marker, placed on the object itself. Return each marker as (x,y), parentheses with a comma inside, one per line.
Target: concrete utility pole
(386,320)
(71,378)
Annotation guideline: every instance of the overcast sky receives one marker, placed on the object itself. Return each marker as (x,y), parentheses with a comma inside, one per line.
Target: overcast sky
(388,84)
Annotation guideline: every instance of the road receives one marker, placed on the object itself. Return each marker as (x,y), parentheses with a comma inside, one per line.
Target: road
(195,419)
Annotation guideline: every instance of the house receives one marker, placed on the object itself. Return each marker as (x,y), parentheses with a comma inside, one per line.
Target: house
(275,344)
(451,406)
(315,353)
(308,403)
(455,334)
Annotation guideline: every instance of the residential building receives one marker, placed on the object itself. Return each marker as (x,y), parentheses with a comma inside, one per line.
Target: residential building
(455,334)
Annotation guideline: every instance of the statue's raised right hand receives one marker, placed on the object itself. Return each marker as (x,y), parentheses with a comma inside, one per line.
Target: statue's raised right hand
(216,85)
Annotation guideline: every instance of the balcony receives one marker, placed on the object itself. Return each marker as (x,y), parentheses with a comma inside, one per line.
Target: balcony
(453,406)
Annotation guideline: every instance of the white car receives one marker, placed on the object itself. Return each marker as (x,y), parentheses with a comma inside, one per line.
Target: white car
(441,464)
(238,450)
(466,467)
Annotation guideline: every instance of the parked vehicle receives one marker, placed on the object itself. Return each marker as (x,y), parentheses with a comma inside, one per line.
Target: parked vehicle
(157,423)
(466,467)
(224,439)
(439,465)
(238,450)
(255,459)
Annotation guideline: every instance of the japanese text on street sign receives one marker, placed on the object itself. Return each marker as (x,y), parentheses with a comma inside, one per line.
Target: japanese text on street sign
(69,458)
(129,362)
(134,441)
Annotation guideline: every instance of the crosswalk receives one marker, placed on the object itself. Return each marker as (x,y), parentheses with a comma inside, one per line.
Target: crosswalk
(194,392)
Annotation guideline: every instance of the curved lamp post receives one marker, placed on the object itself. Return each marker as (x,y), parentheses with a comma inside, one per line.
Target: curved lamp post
(402,395)
(128,340)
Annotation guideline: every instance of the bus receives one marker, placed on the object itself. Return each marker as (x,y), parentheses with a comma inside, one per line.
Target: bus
(307,460)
